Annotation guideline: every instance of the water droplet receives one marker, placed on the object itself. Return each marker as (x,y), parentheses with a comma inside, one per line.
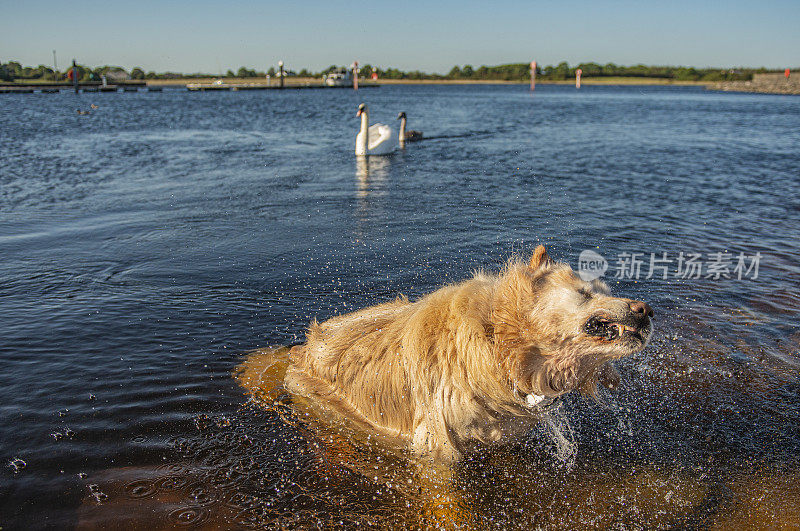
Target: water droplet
(170,468)
(202,421)
(17,464)
(142,488)
(172,483)
(201,496)
(188,516)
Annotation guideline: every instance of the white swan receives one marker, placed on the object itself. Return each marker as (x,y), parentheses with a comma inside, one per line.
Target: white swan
(377,139)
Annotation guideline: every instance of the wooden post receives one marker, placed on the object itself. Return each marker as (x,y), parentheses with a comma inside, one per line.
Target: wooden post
(533,75)
(355,75)
(578,73)
(75,76)
(280,66)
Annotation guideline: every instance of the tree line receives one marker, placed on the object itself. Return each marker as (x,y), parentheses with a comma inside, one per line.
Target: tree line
(508,72)
(15,71)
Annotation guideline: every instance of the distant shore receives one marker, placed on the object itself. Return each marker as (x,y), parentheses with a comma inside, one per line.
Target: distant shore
(762,83)
(584,81)
(768,83)
(306,80)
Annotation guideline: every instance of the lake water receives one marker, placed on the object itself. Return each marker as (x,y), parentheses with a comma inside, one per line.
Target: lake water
(147,248)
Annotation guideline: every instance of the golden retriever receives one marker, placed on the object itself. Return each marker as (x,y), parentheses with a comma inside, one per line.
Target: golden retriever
(474,363)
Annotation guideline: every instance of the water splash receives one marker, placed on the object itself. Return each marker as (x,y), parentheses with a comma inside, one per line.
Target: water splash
(557,428)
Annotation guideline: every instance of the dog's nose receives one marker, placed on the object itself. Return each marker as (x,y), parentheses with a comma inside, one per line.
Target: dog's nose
(641,307)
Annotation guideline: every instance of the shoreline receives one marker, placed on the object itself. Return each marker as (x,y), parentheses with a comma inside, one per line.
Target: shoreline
(306,80)
(762,83)
(584,81)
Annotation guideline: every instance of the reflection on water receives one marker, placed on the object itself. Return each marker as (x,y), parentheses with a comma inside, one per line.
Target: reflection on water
(371,173)
(147,248)
(371,178)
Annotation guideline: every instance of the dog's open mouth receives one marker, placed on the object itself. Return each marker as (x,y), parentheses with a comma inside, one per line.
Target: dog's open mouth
(607,330)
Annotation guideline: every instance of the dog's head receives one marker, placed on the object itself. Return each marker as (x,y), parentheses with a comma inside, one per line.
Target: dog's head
(553,331)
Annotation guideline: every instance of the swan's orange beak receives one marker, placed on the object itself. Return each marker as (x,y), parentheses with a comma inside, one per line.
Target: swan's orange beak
(358,113)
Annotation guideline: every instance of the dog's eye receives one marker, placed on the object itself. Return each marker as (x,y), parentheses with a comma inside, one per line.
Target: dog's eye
(586,294)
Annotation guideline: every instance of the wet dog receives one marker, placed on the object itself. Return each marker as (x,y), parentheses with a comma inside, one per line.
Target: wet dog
(471,364)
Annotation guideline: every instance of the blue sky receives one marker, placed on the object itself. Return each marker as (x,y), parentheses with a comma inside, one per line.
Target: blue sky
(431,36)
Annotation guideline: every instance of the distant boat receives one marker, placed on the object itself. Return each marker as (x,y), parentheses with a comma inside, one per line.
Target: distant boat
(338,78)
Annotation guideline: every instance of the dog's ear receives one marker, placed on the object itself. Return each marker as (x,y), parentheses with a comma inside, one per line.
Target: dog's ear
(540,258)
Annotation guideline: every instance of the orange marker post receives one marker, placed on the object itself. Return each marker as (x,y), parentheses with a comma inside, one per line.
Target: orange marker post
(786,73)
(578,73)
(533,75)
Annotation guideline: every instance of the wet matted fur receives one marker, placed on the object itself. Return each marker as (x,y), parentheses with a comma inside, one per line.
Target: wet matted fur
(472,363)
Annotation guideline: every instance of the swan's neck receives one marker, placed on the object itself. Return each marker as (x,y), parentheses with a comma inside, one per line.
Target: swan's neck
(362,139)
(365,125)
(402,129)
